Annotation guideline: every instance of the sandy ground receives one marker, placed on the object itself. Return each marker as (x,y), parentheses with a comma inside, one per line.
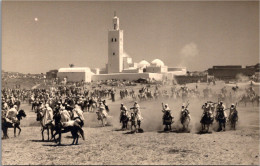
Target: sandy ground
(108,145)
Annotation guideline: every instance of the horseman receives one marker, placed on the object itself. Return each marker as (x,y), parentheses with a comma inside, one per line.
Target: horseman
(11,115)
(166,109)
(77,113)
(47,115)
(106,106)
(221,108)
(123,110)
(65,116)
(185,109)
(137,112)
(231,111)
(102,110)
(207,109)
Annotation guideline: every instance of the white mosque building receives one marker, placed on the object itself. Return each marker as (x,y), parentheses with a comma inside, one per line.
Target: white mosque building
(120,66)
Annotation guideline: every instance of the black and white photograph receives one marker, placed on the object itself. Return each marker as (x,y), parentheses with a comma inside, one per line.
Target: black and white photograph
(130,82)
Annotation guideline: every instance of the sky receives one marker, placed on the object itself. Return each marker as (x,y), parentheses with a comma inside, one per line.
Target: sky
(45,35)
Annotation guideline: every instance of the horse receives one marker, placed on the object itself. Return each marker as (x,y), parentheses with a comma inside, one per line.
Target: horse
(206,121)
(6,124)
(220,117)
(48,127)
(233,120)
(74,128)
(124,119)
(167,121)
(135,122)
(102,118)
(185,120)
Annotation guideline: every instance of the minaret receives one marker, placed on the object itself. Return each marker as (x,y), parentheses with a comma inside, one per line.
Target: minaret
(115,48)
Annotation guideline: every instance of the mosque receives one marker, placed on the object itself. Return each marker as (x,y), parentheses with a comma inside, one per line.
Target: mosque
(120,66)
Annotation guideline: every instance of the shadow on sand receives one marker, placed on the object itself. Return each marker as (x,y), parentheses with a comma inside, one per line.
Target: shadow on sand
(41,140)
(204,132)
(57,145)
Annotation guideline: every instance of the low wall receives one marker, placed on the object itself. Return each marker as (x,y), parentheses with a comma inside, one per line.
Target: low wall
(127,76)
(190,79)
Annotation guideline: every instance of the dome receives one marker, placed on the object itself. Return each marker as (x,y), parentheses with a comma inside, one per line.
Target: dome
(143,63)
(157,62)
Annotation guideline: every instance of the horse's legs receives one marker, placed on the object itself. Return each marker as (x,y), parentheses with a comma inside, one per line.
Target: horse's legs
(77,138)
(42,134)
(59,137)
(19,130)
(219,126)
(224,126)
(14,131)
(139,124)
(48,133)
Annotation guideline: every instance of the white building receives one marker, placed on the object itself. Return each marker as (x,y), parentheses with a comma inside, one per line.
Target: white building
(75,74)
(120,66)
(157,66)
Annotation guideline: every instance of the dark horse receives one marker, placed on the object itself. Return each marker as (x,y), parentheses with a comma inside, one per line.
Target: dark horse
(233,120)
(49,127)
(6,124)
(206,121)
(124,119)
(74,129)
(167,121)
(221,119)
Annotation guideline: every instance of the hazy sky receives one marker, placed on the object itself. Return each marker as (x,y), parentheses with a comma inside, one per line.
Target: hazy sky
(197,35)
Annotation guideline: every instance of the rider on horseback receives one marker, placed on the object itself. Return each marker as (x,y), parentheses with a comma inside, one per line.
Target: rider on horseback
(166,109)
(102,110)
(77,113)
(232,110)
(185,109)
(123,110)
(206,109)
(106,106)
(48,115)
(137,112)
(221,107)
(11,115)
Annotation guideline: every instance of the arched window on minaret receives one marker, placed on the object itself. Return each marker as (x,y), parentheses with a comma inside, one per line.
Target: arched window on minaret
(114,53)
(115,39)
(112,40)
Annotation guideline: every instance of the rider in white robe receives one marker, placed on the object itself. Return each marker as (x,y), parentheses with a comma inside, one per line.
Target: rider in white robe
(102,110)
(77,112)
(137,111)
(11,114)
(47,115)
(183,108)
